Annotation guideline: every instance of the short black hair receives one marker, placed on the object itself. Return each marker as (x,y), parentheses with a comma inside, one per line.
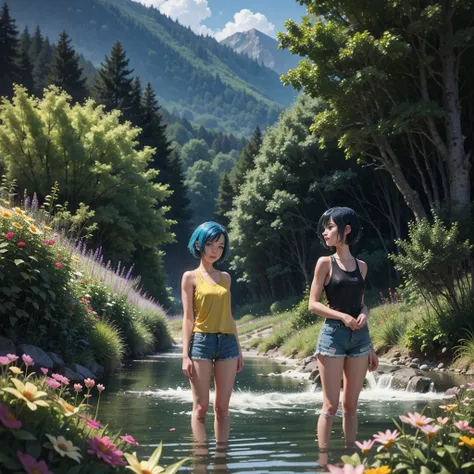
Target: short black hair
(341,216)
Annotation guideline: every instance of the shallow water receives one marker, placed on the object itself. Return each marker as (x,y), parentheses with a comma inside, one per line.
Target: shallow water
(273,419)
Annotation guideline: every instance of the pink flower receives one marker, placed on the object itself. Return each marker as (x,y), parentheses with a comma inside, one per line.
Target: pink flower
(365,446)
(77,387)
(89,383)
(466,401)
(416,420)
(60,378)
(44,370)
(347,469)
(93,424)
(58,264)
(9,235)
(104,449)
(31,465)
(430,430)
(4,360)
(129,439)
(388,438)
(22,244)
(443,421)
(51,242)
(27,360)
(53,383)
(463,425)
(12,357)
(7,419)
(100,387)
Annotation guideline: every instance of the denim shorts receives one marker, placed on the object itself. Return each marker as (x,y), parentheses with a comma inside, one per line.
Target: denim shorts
(213,346)
(337,340)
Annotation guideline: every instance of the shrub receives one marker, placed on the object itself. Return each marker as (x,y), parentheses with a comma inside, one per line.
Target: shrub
(158,326)
(140,340)
(275,308)
(303,317)
(106,345)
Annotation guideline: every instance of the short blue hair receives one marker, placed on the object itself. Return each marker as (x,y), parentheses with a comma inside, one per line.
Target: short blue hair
(208,232)
(341,216)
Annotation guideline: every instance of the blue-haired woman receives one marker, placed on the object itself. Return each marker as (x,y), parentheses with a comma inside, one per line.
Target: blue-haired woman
(210,342)
(344,348)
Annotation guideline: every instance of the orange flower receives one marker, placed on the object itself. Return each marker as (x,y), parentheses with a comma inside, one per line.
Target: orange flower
(19,211)
(7,214)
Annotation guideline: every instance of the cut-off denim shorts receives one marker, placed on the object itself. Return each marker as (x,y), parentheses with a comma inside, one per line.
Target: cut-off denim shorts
(213,346)
(337,340)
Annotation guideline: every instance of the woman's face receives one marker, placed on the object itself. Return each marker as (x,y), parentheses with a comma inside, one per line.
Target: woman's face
(213,250)
(331,234)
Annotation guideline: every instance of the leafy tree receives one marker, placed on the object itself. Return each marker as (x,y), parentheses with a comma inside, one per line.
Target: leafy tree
(114,88)
(223,163)
(392,76)
(93,157)
(65,71)
(194,151)
(8,52)
(247,157)
(224,200)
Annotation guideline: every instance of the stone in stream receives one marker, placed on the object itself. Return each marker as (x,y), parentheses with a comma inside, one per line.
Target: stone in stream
(310,366)
(314,374)
(57,360)
(419,384)
(40,358)
(402,377)
(6,346)
(424,367)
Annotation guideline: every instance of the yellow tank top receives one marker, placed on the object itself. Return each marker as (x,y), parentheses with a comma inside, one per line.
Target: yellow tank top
(212,306)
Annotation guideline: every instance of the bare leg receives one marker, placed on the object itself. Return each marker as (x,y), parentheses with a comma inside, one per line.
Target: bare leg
(330,369)
(355,369)
(200,385)
(224,377)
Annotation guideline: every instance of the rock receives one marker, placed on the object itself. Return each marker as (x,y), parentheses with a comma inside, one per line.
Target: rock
(83,371)
(71,374)
(425,367)
(40,358)
(470,372)
(414,365)
(416,360)
(458,371)
(310,367)
(294,352)
(57,360)
(6,346)
(317,381)
(309,359)
(283,362)
(397,354)
(440,365)
(403,376)
(314,374)
(394,360)
(419,384)
(451,393)
(97,369)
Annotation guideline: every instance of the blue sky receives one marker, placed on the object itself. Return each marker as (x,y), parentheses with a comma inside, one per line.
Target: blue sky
(221,18)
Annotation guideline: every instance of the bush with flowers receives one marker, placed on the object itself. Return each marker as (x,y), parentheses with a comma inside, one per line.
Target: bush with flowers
(442,442)
(48,426)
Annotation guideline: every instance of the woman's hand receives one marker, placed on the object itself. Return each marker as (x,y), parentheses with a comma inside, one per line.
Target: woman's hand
(373,361)
(362,320)
(240,363)
(350,322)
(188,367)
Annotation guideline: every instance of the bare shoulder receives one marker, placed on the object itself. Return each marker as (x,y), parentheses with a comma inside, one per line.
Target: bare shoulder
(323,264)
(227,277)
(189,277)
(363,267)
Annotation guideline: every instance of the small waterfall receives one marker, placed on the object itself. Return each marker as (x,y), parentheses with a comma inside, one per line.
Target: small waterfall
(383,382)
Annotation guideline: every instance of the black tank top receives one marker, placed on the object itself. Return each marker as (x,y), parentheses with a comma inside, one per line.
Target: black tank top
(345,290)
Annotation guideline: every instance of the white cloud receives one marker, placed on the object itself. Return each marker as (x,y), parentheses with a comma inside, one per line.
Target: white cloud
(192,13)
(243,21)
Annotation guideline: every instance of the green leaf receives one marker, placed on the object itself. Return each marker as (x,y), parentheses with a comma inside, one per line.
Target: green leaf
(13,320)
(8,462)
(35,304)
(420,455)
(74,470)
(26,276)
(23,435)
(451,449)
(425,470)
(3,245)
(175,467)
(18,261)
(42,295)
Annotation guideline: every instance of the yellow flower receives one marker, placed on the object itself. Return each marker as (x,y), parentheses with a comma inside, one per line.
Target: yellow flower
(29,393)
(466,441)
(65,448)
(33,229)
(17,225)
(448,407)
(378,470)
(6,203)
(29,219)
(19,211)
(76,259)
(47,228)
(7,214)
(15,369)
(151,466)
(66,408)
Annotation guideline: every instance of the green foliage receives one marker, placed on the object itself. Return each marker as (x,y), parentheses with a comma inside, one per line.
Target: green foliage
(303,317)
(276,308)
(106,345)
(158,327)
(304,341)
(464,351)
(436,261)
(139,338)
(38,434)
(428,336)
(193,151)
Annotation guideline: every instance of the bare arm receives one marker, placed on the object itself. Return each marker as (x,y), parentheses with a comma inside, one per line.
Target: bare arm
(321,272)
(240,364)
(364,312)
(187,296)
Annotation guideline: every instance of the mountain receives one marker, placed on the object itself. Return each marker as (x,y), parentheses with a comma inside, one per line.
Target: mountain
(262,48)
(194,76)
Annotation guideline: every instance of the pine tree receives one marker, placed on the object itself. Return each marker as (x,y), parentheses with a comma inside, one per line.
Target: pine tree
(65,71)
(9,72)
(42,65)
(25,40)
(247,158)
(224,200)
(36,45)
(136,109)
(114,88)
(25,69)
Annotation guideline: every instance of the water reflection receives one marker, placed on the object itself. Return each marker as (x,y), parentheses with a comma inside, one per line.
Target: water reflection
(273,420)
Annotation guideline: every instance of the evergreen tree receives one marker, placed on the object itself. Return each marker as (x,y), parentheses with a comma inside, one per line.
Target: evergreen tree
(25,68)
(136,109)
(224,200)
(8,52)
(42,65)
(114,88)
(36,45)
(65,71)
(25,40)
(247,158)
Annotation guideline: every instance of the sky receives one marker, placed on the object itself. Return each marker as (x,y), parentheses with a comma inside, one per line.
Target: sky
(222,18)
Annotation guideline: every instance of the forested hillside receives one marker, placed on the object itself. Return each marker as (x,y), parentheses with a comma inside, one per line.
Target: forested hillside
(208,83)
